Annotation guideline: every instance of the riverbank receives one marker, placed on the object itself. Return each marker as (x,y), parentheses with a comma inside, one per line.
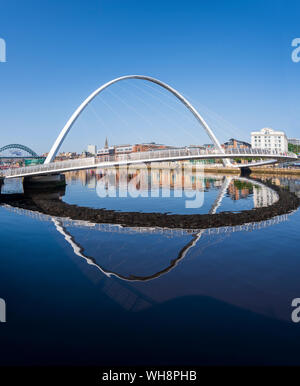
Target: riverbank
(223,170)
(276,171)
(270,171)
(287,203)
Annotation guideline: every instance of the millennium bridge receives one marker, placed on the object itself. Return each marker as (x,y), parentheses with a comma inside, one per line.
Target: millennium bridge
(51,168)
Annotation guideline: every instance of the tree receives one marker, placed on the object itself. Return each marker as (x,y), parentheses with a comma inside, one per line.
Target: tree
(294,148)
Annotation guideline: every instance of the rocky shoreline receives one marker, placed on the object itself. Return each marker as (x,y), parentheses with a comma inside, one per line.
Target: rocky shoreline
(287,203)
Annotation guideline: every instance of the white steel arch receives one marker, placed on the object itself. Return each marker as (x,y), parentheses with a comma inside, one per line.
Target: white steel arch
(83,105)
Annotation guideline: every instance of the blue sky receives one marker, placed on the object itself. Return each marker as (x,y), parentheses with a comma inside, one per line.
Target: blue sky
(230,58)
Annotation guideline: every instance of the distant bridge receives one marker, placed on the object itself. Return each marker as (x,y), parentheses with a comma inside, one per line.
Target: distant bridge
(32,153)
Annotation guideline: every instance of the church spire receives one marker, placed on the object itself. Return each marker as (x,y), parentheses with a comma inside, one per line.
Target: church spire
(106,143)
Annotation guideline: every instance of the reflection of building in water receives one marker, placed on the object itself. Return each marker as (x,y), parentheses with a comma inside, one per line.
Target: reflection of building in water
(263,197)
(92,182)
(238,190)
(86,177)
(145,178)
(80,175)
(292,183)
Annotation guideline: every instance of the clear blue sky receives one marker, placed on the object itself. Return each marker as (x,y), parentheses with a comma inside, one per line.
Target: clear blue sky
(231,56)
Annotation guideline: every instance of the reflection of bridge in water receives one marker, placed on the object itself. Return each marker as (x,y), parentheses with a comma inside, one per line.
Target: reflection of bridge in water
(292,184)
(62,223)
(169,232)
(250,283)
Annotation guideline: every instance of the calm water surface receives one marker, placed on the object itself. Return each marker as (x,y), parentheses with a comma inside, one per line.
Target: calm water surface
(78,293)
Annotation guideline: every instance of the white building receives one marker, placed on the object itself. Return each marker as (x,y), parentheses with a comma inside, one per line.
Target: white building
(92,149)
(263,197)
(294,141)
(124,149)
(269,139)
(110,150)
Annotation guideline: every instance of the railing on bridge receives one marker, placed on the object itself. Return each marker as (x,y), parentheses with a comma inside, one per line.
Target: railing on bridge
(166,154)
(52,167)
(170,154)
(186,152)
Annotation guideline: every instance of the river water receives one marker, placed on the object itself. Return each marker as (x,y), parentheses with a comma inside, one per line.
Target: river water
(79,293)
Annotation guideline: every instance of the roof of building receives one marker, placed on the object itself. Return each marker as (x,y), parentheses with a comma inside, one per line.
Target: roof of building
(238,141)
(268,130)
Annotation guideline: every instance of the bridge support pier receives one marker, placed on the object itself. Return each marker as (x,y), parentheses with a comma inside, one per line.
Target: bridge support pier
(44,182)
(1,183)
(245,172)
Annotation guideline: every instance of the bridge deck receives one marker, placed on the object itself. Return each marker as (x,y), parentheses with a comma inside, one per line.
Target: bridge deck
(151,156)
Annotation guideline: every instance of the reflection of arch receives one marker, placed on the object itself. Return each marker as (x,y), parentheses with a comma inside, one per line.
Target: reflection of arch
(83,105)
(285,207)
(20,147)
(79,250)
